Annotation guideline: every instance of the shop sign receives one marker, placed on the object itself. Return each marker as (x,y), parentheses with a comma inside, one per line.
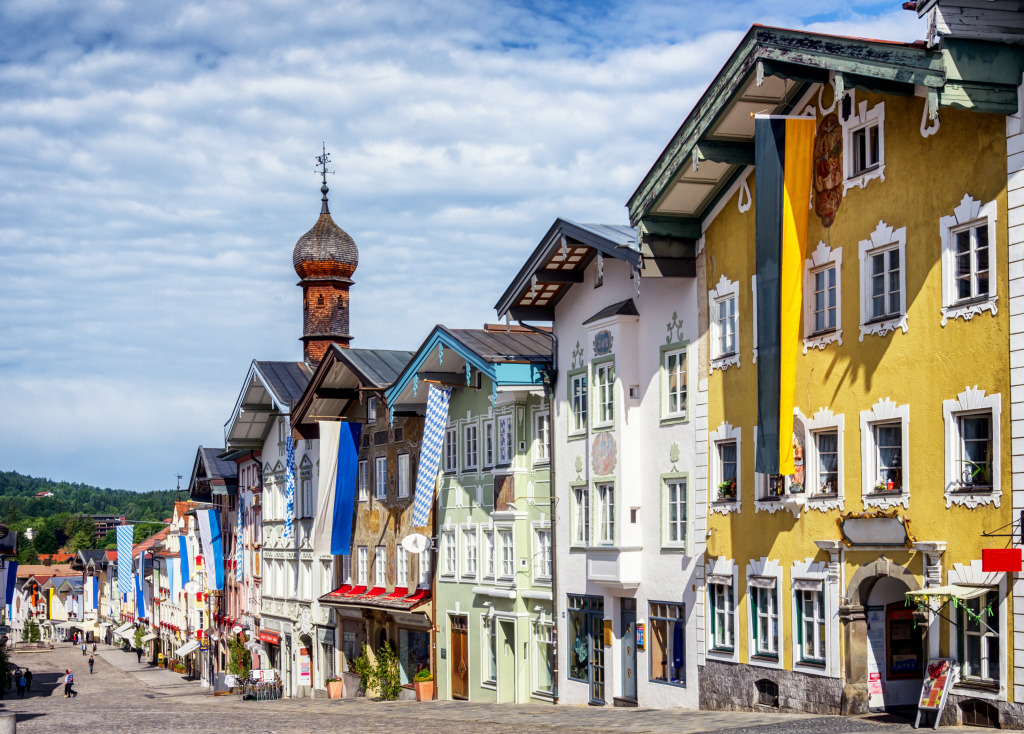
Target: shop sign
(1001,560)
(641,636)
(272,637)
(303,666)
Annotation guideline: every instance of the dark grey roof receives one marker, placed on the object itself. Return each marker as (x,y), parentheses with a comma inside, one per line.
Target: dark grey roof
(288,380)
(92,556)
(622,308)
(497,346)
(325,242)
(376,367)
(217,468)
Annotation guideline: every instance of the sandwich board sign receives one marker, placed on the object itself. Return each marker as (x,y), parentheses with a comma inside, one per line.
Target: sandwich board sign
(938,679)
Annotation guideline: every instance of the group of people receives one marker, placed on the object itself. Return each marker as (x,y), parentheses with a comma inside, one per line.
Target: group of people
(22,681)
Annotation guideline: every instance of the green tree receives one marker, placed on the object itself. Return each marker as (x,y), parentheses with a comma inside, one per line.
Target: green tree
(30,632)
(138,637)
(239,660)
(45,540)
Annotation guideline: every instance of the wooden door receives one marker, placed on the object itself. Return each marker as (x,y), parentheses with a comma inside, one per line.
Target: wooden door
(460,657)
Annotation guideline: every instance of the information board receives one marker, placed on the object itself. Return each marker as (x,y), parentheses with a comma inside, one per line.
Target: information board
(939,677)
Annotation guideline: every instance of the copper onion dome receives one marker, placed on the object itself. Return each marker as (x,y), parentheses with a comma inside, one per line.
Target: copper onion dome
(326,250)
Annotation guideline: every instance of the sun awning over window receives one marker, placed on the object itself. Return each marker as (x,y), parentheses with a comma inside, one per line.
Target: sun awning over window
(147,638)
(185,649)
(950,590)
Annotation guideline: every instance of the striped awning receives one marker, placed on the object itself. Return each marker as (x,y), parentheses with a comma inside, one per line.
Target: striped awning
(147,638)
(185,649)
(123,628)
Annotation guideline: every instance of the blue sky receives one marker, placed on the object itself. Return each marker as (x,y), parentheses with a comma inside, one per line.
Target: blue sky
(157,167)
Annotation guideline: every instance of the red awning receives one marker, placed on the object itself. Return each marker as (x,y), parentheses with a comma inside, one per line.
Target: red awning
(341,590)
(272,637)
(356,591)
(398,593)
(375,591)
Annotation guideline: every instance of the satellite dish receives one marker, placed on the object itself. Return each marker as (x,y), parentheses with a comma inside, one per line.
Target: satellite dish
(192,587)
(416,543)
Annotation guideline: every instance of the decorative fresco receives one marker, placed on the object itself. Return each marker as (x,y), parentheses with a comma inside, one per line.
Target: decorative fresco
(602,454)
(828,168)
(602,343)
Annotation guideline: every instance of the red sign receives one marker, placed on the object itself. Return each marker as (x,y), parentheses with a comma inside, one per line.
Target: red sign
(996,560)
(271,637)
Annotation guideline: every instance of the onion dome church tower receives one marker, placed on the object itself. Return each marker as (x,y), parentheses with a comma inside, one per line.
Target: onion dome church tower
(325,259)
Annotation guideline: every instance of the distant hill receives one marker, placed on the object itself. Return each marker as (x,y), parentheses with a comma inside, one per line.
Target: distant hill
(19,499)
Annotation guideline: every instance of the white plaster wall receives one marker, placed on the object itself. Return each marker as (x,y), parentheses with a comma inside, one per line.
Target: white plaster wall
(643,448)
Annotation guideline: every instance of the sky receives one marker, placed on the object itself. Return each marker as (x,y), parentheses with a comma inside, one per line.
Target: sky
(157,166)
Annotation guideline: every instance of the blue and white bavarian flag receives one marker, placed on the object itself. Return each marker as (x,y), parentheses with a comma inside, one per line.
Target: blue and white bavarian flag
(430,454)
(289,488)
(238,544)
(213,548)
(125,536)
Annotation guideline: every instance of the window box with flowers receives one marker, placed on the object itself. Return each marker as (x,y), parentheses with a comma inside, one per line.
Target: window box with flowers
(727,490)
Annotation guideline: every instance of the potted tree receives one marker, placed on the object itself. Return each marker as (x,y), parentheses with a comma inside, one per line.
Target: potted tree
(335,686)
(423,682)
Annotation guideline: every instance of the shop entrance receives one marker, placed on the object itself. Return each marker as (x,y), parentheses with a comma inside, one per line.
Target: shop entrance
(627,626)
(460,656)
(586,654)
(508,682)
(896,647)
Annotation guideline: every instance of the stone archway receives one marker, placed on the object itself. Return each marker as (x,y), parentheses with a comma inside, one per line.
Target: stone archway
(853,615)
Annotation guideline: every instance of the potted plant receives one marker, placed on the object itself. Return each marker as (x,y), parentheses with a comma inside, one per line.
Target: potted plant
(727,489)
(423,682)
(335,686)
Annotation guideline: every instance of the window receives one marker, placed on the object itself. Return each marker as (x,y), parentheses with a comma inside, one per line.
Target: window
(578,402)
(968,260)
(604,378)
(674,513)
(723,637)
(826,477)
(863,141)
(883,281)
(451,449)
(581,518)
(542,567)
(469,542)
(381,476)
(380,566)
(811,630)
(413,654)
(723,305)
(508,554)
(489,443)
(346,569)
(544,665)
(674,363)
(403,476)
(972,430)
(371,410)
(470,457)
(668,643)
(585,643)
(543,436)
(281,431)
(424,563)
(504,440)
(979,632)
(363,570)
(305,579)
(449,550)
(725,318)
(605,513)
(401,567)
(727,462)
(765,616)
(364,481)
(825,305)
(307,509)
(888,475)
(489,553)
(490,646)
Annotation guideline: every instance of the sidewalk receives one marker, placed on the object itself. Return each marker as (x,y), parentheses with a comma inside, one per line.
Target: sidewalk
(144,672)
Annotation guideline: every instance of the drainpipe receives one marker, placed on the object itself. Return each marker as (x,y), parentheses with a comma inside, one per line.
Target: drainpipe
(552,375)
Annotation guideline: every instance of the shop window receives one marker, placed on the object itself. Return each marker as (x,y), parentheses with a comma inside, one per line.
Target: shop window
(413,653)
(723,621)
(979,638)
(668,643)
(544,661)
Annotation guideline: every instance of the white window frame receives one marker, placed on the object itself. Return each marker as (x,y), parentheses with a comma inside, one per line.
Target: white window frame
(506,541)
(364,480)
(822,259)
(603,517)
(604,382)
(884,411)
(380,477)
(969,214)
(861,118)
(489,444)
(972,401)
(719,574)
(371,410)
(682,370)
(883,239)
(725,433)
(363,557)
(682,523)
(404,478)
(542,422)
(471,446)
(471,552)
(810,574)
(582,516)
(971,574)
(543,566)
(489,650)
(380,566)
(307,510)
(757,572)
(725,290)
(346,569)
(506,446)
(449,554)
(579,408)
(423,582)
(824,421)
(401,567)
(544,650)
(490,553)
(451,449)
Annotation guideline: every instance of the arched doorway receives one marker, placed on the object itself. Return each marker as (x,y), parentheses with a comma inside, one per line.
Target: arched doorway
(305,671)
(897,646)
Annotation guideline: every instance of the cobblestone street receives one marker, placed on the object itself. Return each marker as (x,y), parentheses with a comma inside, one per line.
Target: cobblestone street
(124,696)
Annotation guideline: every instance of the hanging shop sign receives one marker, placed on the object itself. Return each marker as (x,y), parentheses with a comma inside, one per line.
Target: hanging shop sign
(1001,560)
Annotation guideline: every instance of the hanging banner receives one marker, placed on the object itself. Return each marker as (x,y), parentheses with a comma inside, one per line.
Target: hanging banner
(125,539)
(186,561)
(289,487)
(240,530)
(430,454)
(213,548)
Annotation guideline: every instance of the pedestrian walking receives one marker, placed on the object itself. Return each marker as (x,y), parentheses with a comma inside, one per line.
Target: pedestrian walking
(84,648)
(138,653)
(92,661)
(28,679)
(69,681)
(21,686)
(94,648)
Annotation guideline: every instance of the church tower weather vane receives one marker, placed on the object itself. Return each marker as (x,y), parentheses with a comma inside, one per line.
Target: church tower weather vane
(322,161)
